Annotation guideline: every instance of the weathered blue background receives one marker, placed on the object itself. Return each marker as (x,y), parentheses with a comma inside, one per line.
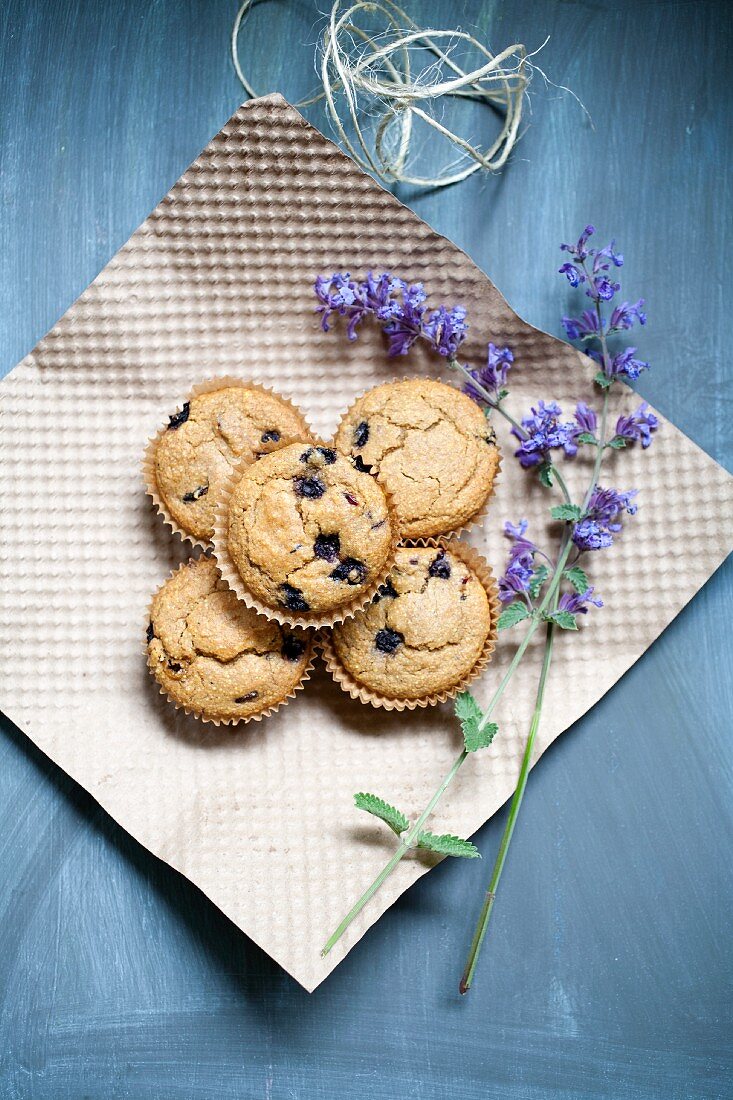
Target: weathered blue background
(608,971)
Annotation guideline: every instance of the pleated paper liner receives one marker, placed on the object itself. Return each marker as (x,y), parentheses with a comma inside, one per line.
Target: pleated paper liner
(482,571)
(479,516)
(209,386)
(202,716)
(233,578)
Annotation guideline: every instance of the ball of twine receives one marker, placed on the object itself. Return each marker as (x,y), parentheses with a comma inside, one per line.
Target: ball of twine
(374,93)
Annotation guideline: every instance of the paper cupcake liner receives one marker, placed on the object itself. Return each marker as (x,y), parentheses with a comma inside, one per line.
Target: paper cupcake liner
(481,570)
(481,513)
(212,719)
(208,386)
(233,578)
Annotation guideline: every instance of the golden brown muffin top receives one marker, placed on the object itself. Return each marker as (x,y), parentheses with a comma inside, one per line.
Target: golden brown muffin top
(213,654)
(431,446)
(423,633)
(207,437)
(307,531)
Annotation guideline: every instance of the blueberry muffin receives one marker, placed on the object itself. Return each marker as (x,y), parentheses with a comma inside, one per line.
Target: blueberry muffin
(423,634)
(305,535)
(216,657)
(430,445)
(193,456)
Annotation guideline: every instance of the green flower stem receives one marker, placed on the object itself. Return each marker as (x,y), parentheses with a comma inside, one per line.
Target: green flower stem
(488,905)
(483,921)
(554,472)
(405,844)
(410,837)
(600,450)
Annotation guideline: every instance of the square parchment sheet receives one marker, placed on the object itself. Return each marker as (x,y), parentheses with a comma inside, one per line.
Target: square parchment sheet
(219,280)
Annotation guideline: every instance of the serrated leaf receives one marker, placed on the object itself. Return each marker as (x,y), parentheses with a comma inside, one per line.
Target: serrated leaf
(603,380)
(483,737)
(587,437)
(564,619)
(512,614)
(617,442)
(545,475)
(569,512)
(538,579)
(448,845)
(470,715)
(578,578)
(391,816)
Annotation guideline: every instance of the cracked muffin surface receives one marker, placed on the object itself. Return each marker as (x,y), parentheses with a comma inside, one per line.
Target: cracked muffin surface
(203,441)
(431,446)
(424,631)
(307,531)
(216,656)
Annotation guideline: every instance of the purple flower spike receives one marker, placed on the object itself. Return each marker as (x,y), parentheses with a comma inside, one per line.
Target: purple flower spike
(574,275)
(337,294)
(520,544)
(520,565)
(446,329)
(576,602)
(494,375)
(601,522)
(638,427)
(516,580)
(399,307)
(583,327)
(624,316)
(602,287)
(544,434)
(626,363)
(378,295)
(610,251)
(585,417)
(405,327)
(579,250)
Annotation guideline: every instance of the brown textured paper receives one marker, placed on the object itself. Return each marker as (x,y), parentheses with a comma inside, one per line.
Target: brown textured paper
(218,280)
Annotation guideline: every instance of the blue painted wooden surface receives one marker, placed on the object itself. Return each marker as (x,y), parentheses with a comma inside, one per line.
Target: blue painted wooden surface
(608,972)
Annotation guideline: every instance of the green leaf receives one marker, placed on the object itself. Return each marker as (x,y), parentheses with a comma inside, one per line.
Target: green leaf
(540,576)
(587,437)
(603,380)
(566,511)
(564,619)
(512,614)
(381,809)
(617,442)
(448,845)
(578,578)
(545,475)
(469,714)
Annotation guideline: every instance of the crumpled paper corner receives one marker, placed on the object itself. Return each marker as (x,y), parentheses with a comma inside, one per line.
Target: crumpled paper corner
(219,280)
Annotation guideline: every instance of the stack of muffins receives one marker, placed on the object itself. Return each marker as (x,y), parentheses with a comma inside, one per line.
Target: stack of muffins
(349,546)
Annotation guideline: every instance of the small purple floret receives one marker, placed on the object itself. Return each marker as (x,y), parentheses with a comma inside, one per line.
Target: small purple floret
(638,426)
(493,376)
(545,433)
(576,602)
(602,519)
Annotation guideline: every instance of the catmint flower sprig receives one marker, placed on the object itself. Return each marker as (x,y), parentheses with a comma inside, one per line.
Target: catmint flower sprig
(592,268)
(402,311)
(538,588)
